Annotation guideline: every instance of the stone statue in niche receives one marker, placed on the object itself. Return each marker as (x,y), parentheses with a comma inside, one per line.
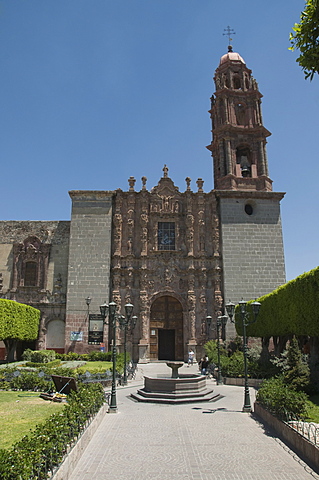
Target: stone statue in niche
(166,204)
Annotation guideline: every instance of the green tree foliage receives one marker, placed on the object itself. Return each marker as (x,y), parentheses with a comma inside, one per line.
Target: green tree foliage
(293,367)
(275,395)
(305,38)
(17,322)
(292,309)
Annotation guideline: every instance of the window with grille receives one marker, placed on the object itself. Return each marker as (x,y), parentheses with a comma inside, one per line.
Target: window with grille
(30,276)
(166,236)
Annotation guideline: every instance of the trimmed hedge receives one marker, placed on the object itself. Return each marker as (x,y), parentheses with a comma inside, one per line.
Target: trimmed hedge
(37,455)
(93,356)
(292,309)
(39,356)
(18,321)
(52,364)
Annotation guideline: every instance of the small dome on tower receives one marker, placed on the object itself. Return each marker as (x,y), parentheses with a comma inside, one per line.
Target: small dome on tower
(231,57)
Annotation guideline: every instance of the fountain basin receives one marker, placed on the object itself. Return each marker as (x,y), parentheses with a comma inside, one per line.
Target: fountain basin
(175,366)
(184,389)
(181,384)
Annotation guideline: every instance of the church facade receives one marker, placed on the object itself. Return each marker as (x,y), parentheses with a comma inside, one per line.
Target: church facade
(177,256)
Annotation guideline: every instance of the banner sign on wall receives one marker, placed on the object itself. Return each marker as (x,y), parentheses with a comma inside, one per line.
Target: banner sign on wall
(96,326)
(76,336)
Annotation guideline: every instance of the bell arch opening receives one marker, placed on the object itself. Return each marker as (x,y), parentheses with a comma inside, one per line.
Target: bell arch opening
(166,329)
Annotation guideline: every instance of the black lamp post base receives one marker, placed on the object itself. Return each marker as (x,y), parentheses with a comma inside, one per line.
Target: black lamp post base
(247,409)
(112,410)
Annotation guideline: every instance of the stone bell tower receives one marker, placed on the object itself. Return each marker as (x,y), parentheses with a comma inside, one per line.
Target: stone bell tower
(239,137)
(249,211)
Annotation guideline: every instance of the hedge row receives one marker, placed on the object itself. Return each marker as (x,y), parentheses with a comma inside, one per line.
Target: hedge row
(37,455)
(292,309)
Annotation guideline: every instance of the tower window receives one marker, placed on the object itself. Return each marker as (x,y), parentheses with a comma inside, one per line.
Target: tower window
(166,236)
(30,275)
(236,82)
(243,158)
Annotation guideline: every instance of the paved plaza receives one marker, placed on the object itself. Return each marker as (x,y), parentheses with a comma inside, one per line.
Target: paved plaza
(197,441)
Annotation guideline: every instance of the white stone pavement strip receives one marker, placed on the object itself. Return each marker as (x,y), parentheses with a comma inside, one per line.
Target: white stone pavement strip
(202,441)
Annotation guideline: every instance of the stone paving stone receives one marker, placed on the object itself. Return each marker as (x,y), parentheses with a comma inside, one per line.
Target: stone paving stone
(202,441)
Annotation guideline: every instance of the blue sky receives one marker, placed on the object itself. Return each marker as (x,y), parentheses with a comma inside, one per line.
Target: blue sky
(95,91)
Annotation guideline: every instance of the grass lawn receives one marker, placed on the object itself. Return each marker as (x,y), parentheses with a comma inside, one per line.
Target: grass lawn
(95,367)
(313,409)
(20,412)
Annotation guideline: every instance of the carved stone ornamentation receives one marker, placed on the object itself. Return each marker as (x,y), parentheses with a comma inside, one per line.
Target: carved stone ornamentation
(167,257)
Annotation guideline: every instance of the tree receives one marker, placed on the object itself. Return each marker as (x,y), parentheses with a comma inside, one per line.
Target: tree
(297,374)
(305,38)
(18,322)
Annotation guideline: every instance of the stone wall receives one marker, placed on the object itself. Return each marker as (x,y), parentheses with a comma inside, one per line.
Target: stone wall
(89,261)
(54,233)
(253,255)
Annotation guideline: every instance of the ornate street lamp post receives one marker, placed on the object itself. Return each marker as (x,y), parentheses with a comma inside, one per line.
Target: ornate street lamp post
(245,321)
(220,322)
(124,323)
(110,310)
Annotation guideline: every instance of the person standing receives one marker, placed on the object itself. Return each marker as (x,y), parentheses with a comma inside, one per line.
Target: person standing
(191,355)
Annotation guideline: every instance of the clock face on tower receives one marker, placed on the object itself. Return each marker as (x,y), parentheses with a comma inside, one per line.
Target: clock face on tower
(166,236)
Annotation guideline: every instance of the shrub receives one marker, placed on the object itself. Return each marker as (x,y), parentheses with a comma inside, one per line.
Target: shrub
(96,356)
(11,379)
(39,356)
(27,355)
(92,356)
(40,452)
(233,366)
(275,395)
(52,364)
(212,353)
(232,360)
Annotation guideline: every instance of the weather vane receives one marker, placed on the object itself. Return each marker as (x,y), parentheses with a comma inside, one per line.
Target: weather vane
(229,31)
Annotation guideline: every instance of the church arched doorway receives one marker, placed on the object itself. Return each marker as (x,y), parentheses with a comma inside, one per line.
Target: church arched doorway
(166,325)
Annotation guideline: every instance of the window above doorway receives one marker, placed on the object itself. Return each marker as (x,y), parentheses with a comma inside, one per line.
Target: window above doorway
(166,236)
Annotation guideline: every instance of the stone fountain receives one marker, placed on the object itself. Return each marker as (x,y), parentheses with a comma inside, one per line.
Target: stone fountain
(175,389)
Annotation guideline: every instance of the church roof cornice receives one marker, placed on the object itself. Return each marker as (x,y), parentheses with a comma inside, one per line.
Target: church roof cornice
(249,194)
(91,193)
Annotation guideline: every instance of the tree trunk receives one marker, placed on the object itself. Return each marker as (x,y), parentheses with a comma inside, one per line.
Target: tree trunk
(264,355)
(11,345)
(280,343)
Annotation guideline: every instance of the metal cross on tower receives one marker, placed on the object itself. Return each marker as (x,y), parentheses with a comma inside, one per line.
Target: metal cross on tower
(229,31)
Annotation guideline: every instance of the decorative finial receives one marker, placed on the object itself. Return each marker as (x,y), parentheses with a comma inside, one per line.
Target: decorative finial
(131,182)
(200,183)
(165,170)
(229,31)
(144,180)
